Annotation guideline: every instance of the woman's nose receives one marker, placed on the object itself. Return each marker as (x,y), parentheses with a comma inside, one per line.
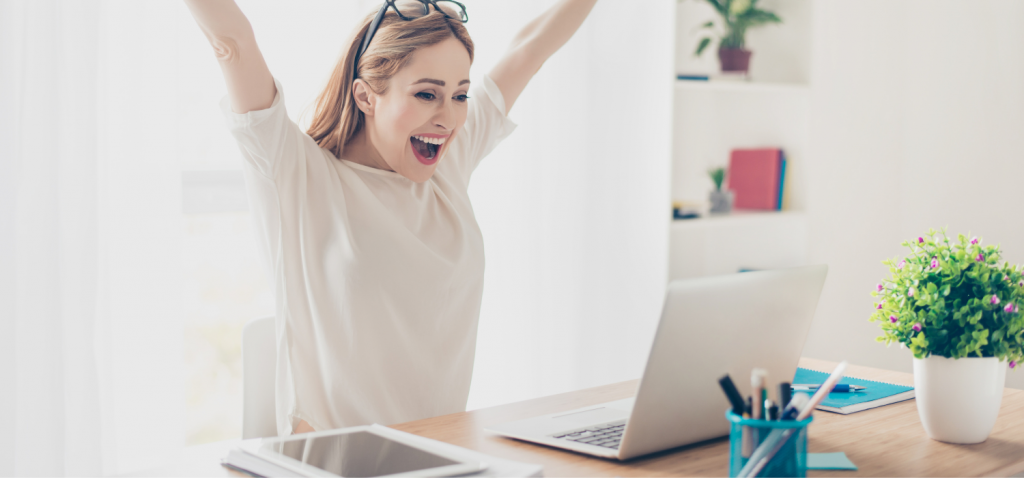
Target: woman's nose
(445,118)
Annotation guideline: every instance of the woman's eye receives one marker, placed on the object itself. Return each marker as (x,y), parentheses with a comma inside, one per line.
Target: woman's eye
(425,95)
(462,98)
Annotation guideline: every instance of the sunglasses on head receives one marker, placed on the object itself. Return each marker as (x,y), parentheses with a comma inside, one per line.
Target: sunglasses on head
(409,11)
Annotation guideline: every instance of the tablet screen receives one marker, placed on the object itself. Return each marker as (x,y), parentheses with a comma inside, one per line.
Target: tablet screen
(360,454)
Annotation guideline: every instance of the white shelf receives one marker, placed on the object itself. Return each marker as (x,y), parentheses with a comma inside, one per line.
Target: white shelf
(736,218)
(741,86)
(714,117)
(742,240)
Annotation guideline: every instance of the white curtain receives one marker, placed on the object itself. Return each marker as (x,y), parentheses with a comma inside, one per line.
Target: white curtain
(89,209)
(102,102)
(574,205)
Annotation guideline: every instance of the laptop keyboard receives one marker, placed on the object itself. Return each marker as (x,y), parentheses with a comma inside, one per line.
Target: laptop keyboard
(608,435)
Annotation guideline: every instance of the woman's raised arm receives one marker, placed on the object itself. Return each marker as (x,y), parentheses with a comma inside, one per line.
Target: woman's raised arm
(250,84)
(535,43)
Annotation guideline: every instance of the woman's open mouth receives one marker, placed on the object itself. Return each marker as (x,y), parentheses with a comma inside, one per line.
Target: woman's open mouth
(426,149)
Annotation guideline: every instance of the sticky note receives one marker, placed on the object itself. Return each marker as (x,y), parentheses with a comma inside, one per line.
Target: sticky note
(829,461)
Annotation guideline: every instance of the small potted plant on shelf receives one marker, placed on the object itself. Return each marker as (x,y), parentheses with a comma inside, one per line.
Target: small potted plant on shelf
(721,200)
(957,308)
(736,17)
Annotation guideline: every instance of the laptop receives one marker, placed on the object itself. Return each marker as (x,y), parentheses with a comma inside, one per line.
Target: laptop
(709,327)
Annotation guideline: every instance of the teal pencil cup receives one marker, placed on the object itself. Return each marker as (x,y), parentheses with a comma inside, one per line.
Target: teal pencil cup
(791,459)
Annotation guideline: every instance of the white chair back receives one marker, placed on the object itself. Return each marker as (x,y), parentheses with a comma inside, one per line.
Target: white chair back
(258,366)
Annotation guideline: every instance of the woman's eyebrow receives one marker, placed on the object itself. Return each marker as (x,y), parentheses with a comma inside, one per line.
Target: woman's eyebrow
(436,82)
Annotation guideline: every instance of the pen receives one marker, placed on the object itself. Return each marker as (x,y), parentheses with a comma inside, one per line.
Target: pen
(840,387)
(734,395)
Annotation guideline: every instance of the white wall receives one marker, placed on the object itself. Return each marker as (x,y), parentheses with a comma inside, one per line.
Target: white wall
(918,114)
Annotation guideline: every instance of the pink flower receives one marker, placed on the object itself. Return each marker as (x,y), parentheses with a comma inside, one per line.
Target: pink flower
(917,327)
(920,240)
(974,240)
(935,263)
(1021,283)
(880,304)
(1008,308)
(903,263)
(910,293)
(1013,363)
(893,319)
(994,300)
(980,257)
(880,288)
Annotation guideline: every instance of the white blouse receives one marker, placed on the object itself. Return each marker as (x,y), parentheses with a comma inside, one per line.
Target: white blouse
(378,279)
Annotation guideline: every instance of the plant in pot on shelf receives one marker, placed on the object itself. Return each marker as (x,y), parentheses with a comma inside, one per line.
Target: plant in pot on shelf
(956,306)
(736,17)
(721,200)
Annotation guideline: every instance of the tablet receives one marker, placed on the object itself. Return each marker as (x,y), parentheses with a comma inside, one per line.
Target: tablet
(366,451)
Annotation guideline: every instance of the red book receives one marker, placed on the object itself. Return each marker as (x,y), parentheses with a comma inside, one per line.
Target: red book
(754,177)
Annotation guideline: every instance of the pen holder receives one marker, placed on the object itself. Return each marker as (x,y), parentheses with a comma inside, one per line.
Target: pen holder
(791,459)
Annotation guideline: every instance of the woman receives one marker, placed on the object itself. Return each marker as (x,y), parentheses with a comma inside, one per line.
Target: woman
(364,219)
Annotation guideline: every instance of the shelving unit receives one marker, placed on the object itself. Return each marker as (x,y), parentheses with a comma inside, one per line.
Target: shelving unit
(714,117)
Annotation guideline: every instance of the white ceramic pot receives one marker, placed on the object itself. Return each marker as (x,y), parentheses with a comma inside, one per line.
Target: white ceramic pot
(958,399)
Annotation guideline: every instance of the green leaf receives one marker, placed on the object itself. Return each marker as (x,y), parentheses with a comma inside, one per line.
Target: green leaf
(720,7)
(700,47)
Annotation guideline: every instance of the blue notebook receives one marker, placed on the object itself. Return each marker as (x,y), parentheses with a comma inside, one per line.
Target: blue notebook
(876,394)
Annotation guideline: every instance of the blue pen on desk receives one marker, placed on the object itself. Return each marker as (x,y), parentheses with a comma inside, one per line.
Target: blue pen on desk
(840,387)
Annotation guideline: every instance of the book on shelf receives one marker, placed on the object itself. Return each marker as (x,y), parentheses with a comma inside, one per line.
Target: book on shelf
(757,177)
(876,394)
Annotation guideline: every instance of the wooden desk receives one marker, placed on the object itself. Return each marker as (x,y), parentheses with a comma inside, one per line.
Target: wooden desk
(886,441)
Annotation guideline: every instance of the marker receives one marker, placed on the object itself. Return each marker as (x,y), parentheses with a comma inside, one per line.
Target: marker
(747,439)
(785,392)
(794,406)
(773,410)
(734,395)
(840,387)
(757,389)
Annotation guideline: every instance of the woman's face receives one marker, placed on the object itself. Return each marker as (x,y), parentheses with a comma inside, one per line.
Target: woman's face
(426,100)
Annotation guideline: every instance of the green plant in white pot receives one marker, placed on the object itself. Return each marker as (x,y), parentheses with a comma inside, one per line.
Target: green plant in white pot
(956,306)
(721,199)
(736,16)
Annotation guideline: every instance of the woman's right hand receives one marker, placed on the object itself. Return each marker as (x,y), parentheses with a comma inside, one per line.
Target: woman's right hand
(250,84)
(302,427)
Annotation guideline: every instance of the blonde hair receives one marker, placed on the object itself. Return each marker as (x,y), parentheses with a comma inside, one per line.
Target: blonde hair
(337,119)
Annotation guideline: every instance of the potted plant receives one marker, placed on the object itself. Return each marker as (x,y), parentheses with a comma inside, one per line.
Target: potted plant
(721,200)
(736,17)
(957,308)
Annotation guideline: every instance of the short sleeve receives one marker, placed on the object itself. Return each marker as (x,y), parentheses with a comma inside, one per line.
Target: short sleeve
(264,136)
(485,127)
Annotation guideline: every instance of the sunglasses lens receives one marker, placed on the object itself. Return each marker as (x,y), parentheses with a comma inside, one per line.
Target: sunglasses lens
(453,9)
(411,8)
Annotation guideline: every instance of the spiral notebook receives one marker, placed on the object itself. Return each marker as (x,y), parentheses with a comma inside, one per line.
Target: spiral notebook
(875,395)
